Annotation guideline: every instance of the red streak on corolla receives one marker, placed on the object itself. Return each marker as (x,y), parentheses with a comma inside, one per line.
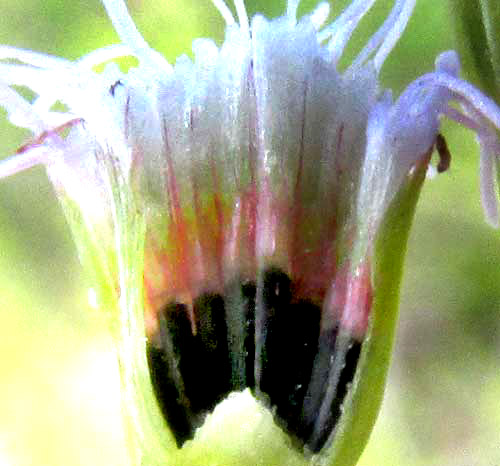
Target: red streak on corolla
(350,299)
(49,133)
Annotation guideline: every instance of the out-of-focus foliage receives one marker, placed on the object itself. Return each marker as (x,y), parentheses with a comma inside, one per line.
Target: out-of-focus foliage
(59,399)
(478,35)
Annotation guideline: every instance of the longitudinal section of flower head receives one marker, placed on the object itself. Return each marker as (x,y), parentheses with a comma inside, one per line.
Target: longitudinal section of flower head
(263,173)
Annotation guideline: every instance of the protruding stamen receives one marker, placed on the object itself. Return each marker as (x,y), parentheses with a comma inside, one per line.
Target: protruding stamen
(242,16)
(448,62)
(39,60)
(320,14)
(460,118)
(400,8)
(489,153)
(291,10)
(126,29)
(20,111)
(19,162)
(464,92)
(36,152)
(489,149)
(224,11)
(394,32)
(104,54)
(48,82)
(429,96)
(343,27)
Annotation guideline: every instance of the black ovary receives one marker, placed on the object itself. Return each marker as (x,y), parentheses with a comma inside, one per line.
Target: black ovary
(290,345)
(192,372)
(175,412)
(318,438)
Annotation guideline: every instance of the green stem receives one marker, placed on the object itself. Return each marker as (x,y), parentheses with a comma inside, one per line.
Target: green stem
(362,407)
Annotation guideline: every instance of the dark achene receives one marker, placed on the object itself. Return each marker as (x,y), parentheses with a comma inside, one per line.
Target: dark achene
(191,373)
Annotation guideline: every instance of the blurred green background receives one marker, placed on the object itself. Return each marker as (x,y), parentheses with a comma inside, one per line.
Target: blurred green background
(59,399)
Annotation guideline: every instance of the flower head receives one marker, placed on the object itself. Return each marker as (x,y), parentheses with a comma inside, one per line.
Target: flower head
(231,208)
